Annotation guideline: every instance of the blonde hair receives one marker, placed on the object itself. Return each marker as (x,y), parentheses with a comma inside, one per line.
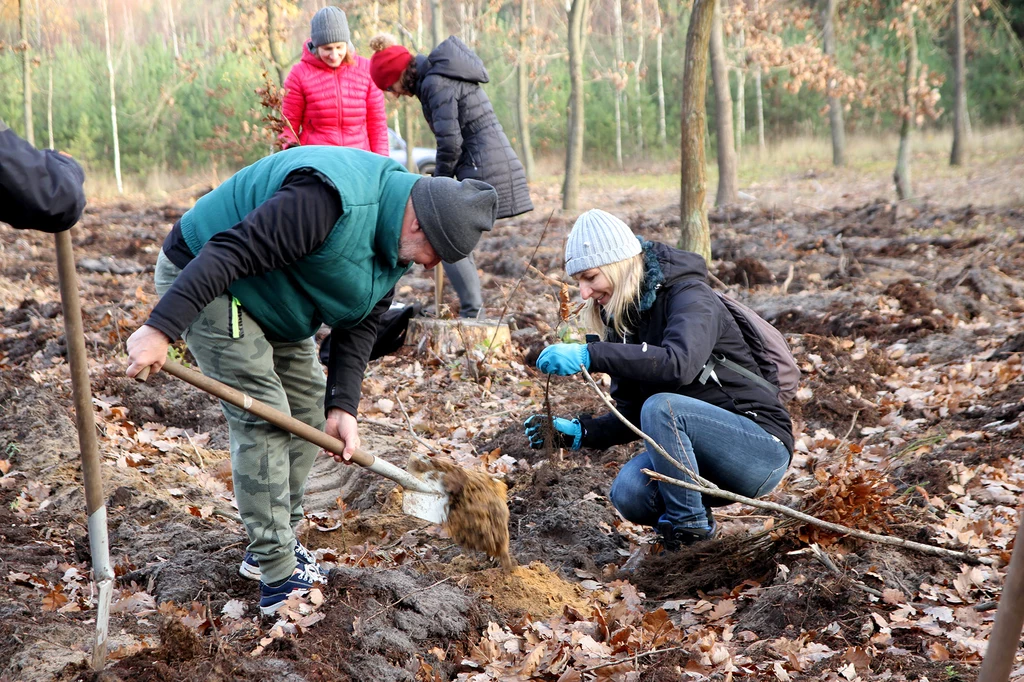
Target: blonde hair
(625,277)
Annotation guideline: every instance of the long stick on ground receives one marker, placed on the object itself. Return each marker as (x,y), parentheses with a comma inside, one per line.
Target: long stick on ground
(806,518)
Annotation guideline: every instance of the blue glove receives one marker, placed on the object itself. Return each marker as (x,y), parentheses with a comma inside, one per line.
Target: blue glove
(567,432)
(564,359)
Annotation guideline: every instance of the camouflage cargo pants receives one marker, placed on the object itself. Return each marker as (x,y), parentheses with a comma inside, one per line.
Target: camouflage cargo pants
(269,466)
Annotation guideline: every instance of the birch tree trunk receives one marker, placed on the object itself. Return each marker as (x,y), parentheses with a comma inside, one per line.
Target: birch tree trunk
(835,105)
(694,235)
(641,44)
(727,181)
(272,40)
(658,50)
(49,106)
(741,95)
(409,133)
(113,100)
(759,99)
(574,138)
(523,91)
(956,155)
(620,57)
(419,25)
(437,21)
(26,71)
(901,175)
(174,29)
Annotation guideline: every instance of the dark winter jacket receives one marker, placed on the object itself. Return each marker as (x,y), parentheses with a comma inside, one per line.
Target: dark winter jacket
(680,322)
(39,189)
(470,141)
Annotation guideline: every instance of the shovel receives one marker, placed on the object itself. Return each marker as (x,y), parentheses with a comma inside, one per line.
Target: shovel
(425,496)
(85,419)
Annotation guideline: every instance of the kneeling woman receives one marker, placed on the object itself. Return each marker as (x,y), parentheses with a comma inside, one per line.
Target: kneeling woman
(661,323)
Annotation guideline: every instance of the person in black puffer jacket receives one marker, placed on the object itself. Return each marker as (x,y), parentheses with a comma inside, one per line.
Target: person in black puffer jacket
(470,141)
(660,323)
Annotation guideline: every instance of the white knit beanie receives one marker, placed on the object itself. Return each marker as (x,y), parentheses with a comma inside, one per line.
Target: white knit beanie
(598,238)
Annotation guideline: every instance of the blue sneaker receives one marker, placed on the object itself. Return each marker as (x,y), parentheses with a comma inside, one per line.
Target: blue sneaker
(301,582)
(250,567)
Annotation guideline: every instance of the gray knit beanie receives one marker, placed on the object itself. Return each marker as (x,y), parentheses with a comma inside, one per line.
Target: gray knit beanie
(454,214)
(330,25)
(598,238)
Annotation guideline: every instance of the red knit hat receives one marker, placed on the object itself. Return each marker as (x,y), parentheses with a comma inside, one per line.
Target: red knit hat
(387,65)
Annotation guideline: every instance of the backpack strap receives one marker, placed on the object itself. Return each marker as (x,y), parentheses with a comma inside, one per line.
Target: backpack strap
(722,361)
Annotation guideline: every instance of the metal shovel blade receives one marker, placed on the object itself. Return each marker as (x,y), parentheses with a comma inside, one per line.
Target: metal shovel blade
(430,502)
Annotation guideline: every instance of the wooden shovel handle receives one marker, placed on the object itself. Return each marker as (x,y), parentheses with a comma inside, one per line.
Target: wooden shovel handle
(261,410)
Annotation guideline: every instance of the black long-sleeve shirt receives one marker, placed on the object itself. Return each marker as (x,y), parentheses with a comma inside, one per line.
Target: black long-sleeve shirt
(39,189)
(291,224)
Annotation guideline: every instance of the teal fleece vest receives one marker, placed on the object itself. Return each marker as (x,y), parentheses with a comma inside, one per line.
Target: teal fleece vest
(355,267)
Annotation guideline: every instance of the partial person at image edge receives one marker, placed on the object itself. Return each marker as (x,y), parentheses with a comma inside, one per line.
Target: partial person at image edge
(40,189)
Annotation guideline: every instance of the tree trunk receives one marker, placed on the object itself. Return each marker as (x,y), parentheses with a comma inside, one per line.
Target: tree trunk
(523,91)
(641,44)
(174,29)
(727,181)
(419,26)
(49,106)
(956,155)
(409,132)
(741,94)
(437,21)
(759,98)
(113,100)
(26,72)
(129,38)
(574,138)
(272,40)
(901,175)
(620,57)
(694,235)
(835,105)
(658,50)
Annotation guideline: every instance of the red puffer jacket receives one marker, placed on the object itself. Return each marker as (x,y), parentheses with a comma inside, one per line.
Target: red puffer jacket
(340,107)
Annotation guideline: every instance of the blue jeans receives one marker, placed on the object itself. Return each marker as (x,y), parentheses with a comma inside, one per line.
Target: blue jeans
(731,451)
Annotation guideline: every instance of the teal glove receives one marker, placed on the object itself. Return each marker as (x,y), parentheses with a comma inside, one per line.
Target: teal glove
(564,359)
(567,433)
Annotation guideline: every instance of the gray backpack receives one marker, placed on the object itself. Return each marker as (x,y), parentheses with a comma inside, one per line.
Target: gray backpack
(769,347)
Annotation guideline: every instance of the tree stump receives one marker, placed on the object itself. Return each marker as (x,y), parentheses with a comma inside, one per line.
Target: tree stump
(449,337)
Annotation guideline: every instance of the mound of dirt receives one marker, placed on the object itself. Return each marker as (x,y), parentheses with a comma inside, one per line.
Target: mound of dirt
(535,590)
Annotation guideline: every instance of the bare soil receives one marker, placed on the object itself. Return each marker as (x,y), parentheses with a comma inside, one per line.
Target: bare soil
(905,320)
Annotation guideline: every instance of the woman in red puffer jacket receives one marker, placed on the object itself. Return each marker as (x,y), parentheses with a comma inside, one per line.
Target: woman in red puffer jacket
(330,98)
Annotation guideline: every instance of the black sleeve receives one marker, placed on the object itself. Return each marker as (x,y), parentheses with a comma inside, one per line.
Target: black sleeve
(444,105)
(350,351)
(608,430)
(288,226)
(692,328)
(39,189)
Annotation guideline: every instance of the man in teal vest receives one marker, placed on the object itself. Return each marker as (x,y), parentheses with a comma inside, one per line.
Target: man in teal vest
(310,236)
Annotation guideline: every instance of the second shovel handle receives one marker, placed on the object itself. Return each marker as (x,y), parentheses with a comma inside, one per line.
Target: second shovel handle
(261,410)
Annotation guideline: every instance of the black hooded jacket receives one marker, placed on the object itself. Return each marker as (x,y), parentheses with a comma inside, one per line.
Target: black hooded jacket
(470,140)
(679,323)
(39,189)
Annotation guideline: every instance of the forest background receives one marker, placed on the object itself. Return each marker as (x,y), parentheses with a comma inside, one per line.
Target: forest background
(191,79)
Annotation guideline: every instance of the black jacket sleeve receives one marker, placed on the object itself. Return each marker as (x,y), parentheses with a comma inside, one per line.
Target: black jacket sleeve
(608,430)
(39,189)
(349,353)
(444,106)
(692,328)
(288,226)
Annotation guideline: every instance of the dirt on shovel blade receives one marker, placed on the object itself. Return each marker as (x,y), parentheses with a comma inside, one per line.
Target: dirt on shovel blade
(477,508)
